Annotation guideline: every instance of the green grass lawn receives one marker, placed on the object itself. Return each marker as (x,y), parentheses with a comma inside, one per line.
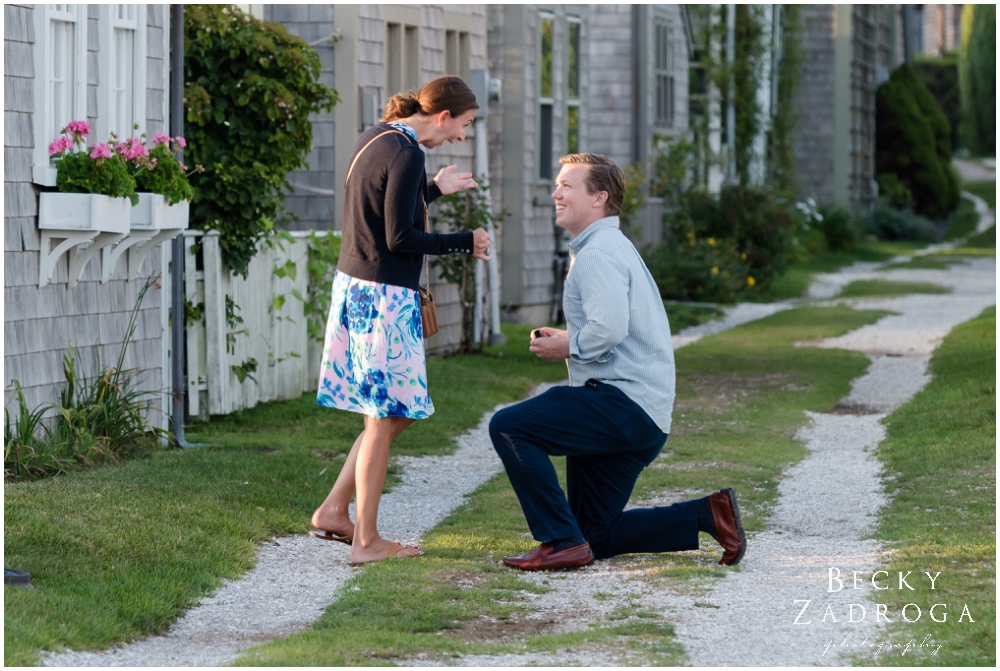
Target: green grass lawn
(683,315)
(134,544)
(941,455)
(794,282)
(741,397)
(861,288)
(925,263)
(985,190)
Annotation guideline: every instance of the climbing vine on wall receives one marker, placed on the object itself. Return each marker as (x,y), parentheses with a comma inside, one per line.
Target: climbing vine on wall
(250,88)
(781,158)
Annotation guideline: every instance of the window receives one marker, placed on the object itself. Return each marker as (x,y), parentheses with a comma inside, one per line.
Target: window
(402,58)
(664,73)
(412,64)
(124,26)
(456,54)
(573,87)
(393,59)
(60,78)
(121,96)
(545,98)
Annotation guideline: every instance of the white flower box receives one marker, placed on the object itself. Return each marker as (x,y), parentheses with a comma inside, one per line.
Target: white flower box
(75,219)
(83,212)
(153,213)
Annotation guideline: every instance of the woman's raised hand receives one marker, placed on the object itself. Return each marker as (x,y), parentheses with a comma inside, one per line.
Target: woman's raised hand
(481,244)
(450,181)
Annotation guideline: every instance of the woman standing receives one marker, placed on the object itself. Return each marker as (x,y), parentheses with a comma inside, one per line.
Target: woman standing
(373,358)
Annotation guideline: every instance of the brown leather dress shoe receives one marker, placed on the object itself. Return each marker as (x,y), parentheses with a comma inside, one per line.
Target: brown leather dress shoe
(726,515)
(543,558)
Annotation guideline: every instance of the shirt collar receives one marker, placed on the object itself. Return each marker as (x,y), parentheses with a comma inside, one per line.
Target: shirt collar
(579,241)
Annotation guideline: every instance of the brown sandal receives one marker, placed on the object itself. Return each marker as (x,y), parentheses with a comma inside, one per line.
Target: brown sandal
(324,535)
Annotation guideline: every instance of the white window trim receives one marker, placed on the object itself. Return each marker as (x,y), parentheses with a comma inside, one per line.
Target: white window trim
(105,89)
(42,172)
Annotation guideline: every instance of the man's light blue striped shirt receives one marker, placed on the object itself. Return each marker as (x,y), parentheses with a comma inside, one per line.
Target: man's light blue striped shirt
(615,320)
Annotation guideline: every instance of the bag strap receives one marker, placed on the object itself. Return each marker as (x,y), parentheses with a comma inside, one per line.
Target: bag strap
(427,265)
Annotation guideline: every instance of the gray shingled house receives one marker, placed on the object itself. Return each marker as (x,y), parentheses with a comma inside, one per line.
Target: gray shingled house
(848,50)
(599,78)
(108,65)
(369,53)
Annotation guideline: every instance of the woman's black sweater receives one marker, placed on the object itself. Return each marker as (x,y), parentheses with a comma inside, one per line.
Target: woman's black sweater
(383,237)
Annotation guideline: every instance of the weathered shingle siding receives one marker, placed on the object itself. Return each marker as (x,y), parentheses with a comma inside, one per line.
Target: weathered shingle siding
(41,324)
(814,138)
(611,93)
(311,201)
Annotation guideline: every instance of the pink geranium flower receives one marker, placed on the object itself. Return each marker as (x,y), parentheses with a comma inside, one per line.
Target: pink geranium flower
(134,149)
(59,145)
(78,128)
(100,151)
(161,138)
(181,141)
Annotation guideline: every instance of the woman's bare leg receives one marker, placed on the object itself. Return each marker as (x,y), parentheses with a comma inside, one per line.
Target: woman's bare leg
(369,478)
(333,514)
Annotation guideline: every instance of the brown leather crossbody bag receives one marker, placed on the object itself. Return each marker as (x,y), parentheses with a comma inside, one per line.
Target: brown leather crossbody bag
(428,310)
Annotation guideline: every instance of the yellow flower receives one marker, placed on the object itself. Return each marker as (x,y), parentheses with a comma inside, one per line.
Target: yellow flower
(751,281)
(715,270)
(743,255)
(711,241)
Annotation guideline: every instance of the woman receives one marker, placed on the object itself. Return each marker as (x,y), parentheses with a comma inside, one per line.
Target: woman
(373,359)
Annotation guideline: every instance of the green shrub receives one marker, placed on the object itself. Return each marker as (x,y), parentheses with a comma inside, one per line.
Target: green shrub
(912,143)
(761,227)
(977,78)
(722,248)
(897,193)
(940,76)
(689,268)
(838,228)
(251,87)
(98,419)
(888,223)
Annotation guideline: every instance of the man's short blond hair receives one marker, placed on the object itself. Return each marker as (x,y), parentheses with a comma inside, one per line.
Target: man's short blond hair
(603,175)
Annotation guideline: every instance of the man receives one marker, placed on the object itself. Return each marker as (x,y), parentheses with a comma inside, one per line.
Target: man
(613,418)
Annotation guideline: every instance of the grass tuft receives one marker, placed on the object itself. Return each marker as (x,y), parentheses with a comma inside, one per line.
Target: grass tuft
(941,451)
(860,288)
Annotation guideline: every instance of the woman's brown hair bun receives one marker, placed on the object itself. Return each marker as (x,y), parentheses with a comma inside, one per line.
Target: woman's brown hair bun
(444,93)
(402,106)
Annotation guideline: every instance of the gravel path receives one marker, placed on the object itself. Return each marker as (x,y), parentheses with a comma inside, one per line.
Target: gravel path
(824,512)
(297,577)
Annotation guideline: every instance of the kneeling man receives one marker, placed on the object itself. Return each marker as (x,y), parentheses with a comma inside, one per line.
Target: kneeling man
(613,418)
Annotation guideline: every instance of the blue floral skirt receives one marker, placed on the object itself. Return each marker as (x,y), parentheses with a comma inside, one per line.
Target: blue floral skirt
(373,355)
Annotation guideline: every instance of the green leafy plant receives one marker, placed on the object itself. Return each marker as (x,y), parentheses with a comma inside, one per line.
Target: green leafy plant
(671,168)
(635,195)
(251,87)
(940,76)
(838,228)
(892,189)
(101,170)
(324,251)
(689,267)
(159,169)
(99,418)
(977,79)
(889,223)
(781,158)
(462,212)
(914,143)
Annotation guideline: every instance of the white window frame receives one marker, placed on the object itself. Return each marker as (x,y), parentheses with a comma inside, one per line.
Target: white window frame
(574,101)
(43,172)
(109,23)
(665,96)
(543,100)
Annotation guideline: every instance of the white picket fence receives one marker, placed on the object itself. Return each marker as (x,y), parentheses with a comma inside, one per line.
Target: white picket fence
(259,326)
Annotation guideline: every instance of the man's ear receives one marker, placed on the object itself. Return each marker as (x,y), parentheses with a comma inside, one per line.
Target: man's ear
(602,198)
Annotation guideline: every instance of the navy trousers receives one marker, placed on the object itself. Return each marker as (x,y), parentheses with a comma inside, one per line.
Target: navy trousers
(607,440)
